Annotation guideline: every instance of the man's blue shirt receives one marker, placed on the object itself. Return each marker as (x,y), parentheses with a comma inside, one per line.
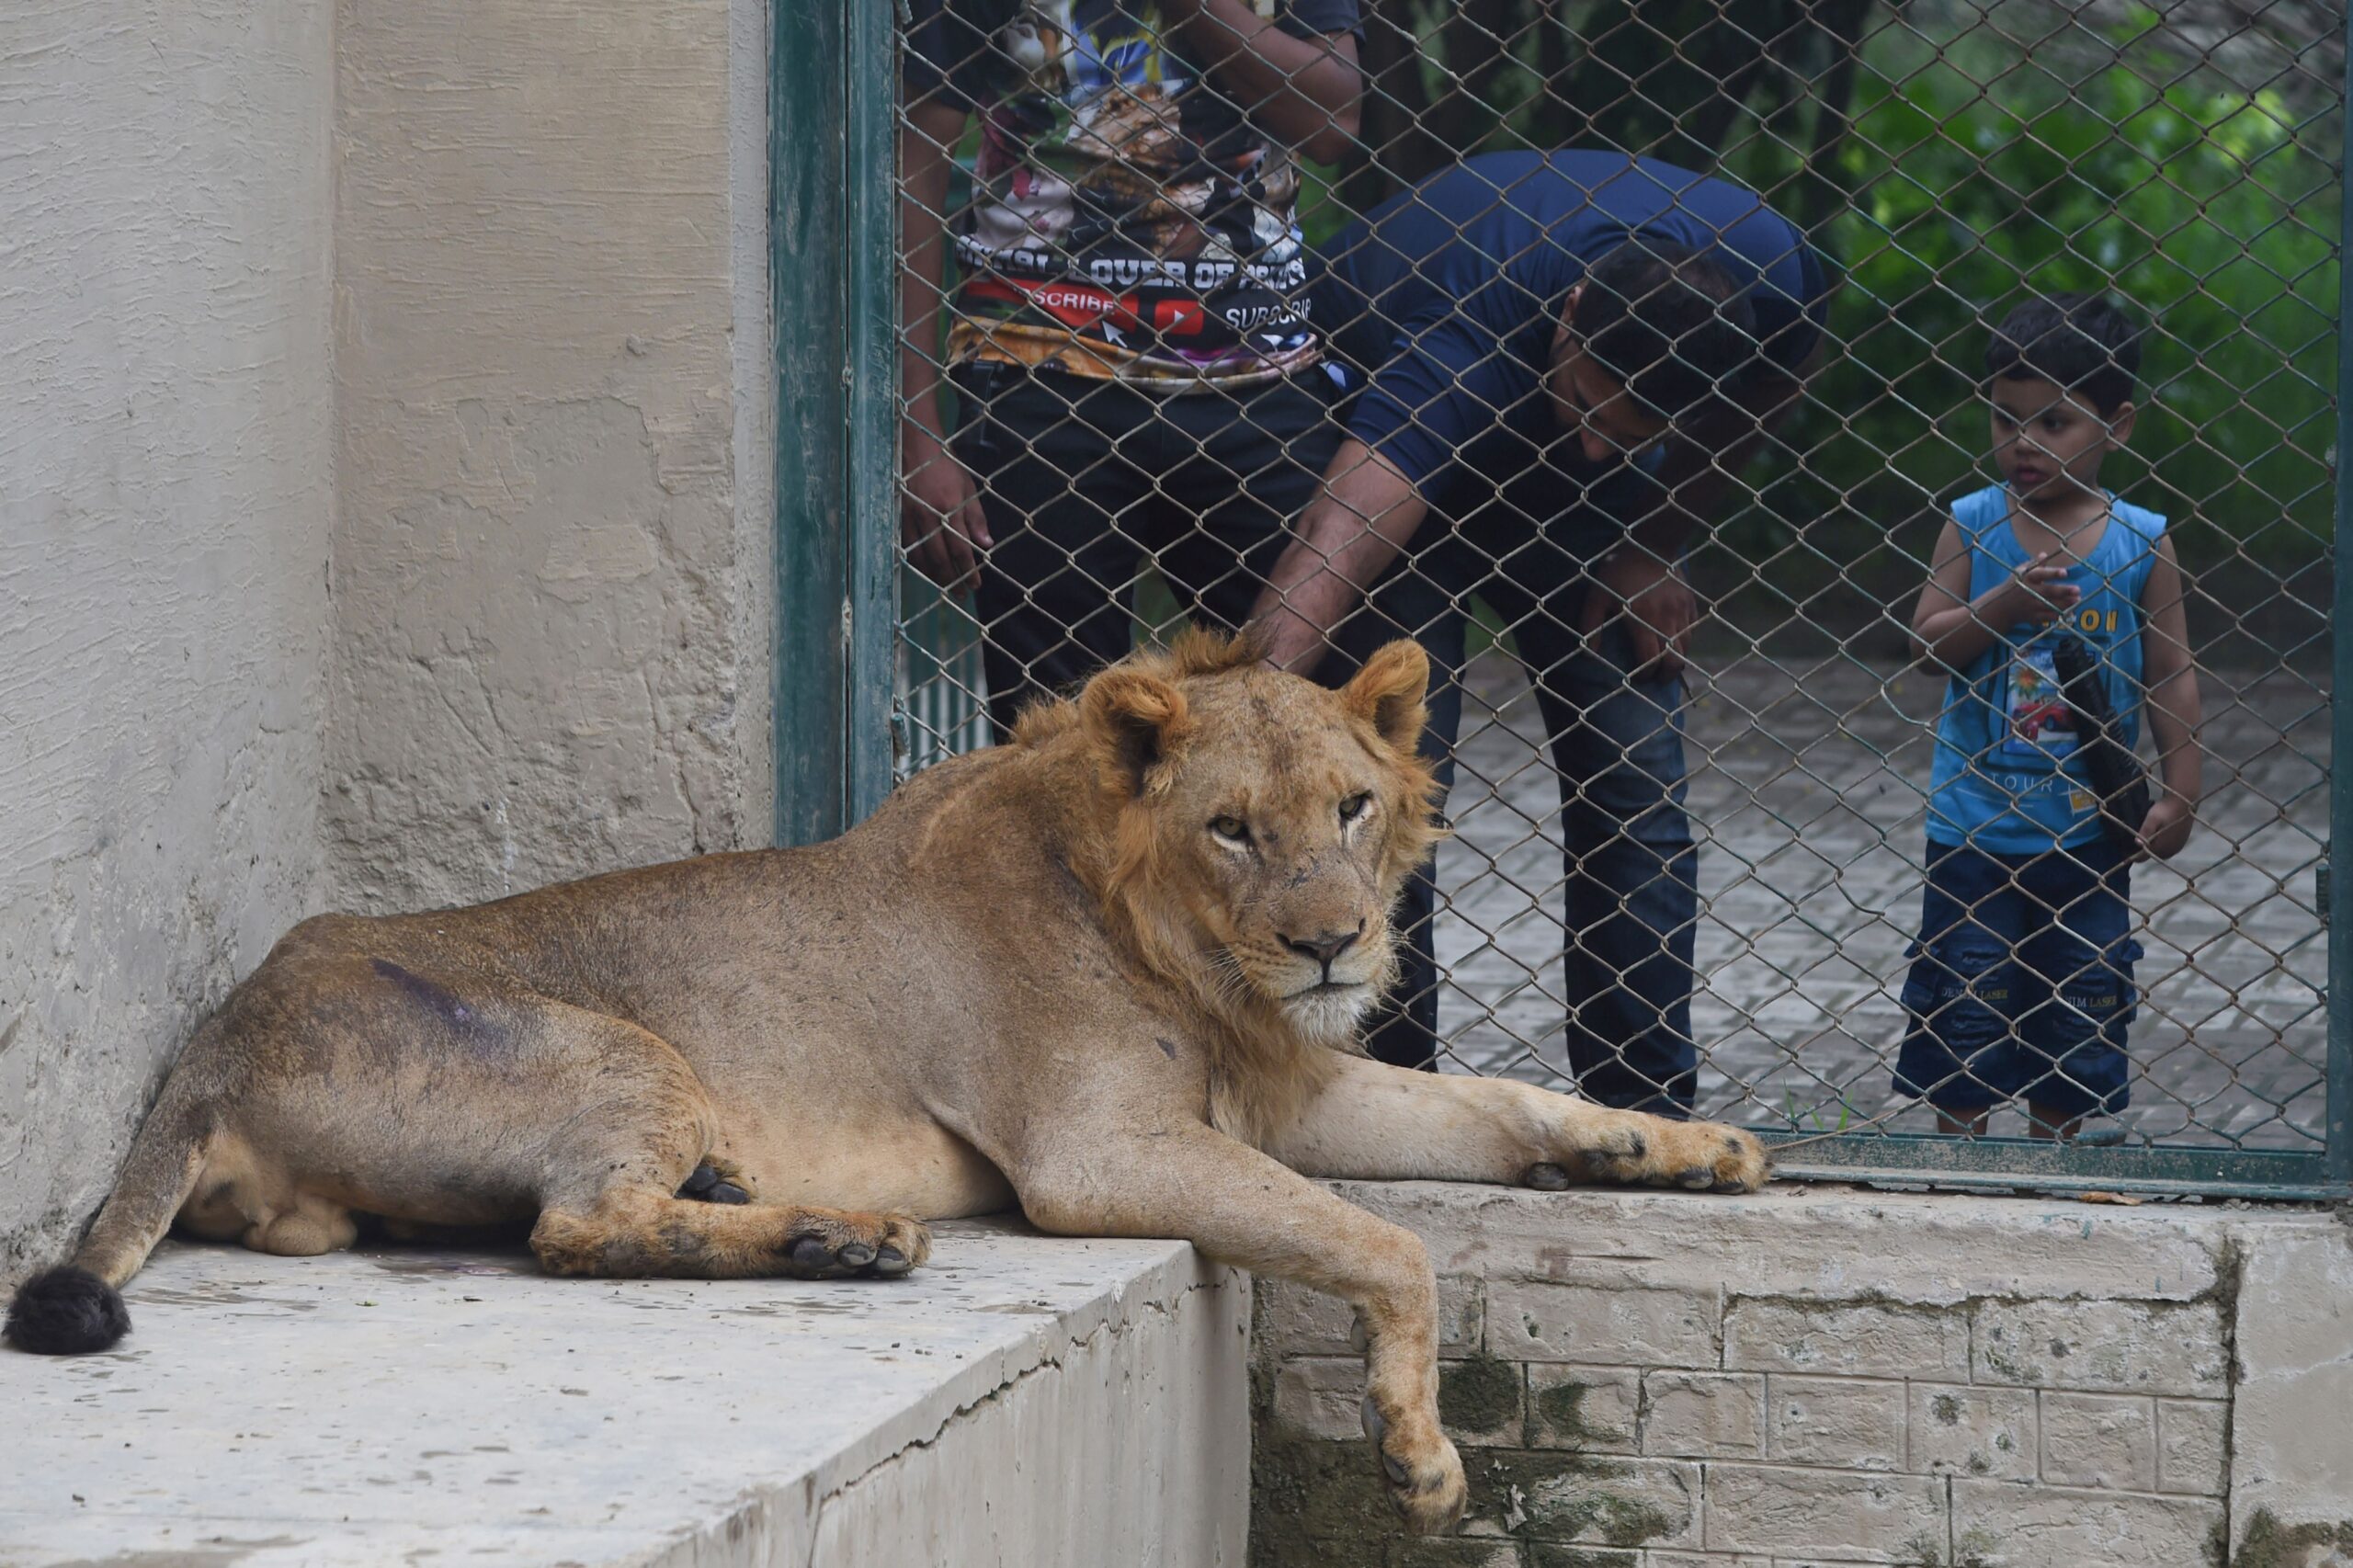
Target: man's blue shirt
(1446,296)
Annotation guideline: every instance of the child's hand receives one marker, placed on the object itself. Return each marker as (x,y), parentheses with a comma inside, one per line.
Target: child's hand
(2038,593)
(2166,827)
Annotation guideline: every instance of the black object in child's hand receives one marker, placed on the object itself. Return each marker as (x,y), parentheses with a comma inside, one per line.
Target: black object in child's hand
(2115,773)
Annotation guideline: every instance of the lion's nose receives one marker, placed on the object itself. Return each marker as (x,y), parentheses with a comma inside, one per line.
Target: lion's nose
(1325,948)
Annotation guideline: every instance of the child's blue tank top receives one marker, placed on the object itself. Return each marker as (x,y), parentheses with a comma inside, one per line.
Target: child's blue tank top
(2005,780)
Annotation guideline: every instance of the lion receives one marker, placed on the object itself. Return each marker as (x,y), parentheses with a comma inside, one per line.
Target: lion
(1111,971)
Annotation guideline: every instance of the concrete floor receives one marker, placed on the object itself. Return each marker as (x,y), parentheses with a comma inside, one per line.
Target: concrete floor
(1807,790)
(420,1405)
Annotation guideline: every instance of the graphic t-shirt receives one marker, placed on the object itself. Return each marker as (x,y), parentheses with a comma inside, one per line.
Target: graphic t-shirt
(1128,220)
(2005,779)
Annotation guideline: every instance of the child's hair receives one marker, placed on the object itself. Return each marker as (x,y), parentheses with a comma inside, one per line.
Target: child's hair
(2081,342)
(1668,324)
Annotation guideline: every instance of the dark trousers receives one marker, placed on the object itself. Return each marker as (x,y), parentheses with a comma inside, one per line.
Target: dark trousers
(1630,887)
(2021,982)
(1086,484)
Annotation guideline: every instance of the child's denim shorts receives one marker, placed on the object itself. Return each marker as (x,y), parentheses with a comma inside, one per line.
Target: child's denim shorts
(2021,982)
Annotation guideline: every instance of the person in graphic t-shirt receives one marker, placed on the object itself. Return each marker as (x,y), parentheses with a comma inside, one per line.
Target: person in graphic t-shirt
(1128,340)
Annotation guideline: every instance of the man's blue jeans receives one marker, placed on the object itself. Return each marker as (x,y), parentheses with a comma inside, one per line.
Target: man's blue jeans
(1631,888)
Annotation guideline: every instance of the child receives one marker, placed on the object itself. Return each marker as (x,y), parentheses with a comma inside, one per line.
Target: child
(2021,980)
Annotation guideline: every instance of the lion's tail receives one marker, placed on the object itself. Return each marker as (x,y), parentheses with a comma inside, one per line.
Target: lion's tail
(76,1308)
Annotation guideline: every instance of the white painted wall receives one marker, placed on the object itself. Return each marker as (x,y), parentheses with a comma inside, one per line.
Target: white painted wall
(384,496)
(552,548)
(167,495)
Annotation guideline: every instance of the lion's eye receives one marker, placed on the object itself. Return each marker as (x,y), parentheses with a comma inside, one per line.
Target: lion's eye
(1354,806)
(1233,829)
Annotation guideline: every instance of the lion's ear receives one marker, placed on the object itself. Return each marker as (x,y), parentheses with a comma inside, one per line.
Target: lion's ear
(1388,692)
(1134,718)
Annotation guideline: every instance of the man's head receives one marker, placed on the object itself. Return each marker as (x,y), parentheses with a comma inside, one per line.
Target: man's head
(2059,376)
(1654,338)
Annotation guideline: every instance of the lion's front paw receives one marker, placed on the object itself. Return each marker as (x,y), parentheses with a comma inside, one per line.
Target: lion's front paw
(1707,1156)
(1631,1147)
(833,1246)
(1422,1471)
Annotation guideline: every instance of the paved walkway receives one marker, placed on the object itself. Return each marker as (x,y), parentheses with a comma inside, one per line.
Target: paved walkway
(1807,790)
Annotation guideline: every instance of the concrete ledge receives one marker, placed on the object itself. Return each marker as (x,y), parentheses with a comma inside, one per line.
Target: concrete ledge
(1814,1374)
(1023,1401)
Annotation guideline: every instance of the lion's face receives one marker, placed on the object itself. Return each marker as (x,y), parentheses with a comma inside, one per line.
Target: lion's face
(1269,823)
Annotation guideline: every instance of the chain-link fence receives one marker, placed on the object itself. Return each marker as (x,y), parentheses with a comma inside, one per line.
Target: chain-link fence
(1532,330)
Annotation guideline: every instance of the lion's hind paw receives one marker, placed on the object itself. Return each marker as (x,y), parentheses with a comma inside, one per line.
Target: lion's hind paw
(707,1185)
(837,1246)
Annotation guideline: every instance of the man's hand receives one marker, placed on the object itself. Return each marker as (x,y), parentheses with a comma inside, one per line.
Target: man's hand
(940,519)
(1348,535)
(2166,827)
(1658,606)
(1295,642)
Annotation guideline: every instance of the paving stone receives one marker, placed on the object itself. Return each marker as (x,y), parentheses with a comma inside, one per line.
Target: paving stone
(1594,1409)
(1807,790)
(1835,1338)
(1543,1554)
(1704,1414)
(1483,1400)
(2100,1440)
(2123,1347)
(1847,1422)
(1823,1248)
(1321,1396)
(1840,1516)
(2193,1446)
(2014,1526)
(1577,1499)
(1291,1320)
(1447,1554)
(1953,1429)
(1535,1321)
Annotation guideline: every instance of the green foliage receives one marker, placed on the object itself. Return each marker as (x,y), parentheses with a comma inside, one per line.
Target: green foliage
(2208,208)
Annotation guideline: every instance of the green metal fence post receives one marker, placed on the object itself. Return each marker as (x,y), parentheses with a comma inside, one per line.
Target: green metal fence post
(2339,1153)
(831,250)
(870,394)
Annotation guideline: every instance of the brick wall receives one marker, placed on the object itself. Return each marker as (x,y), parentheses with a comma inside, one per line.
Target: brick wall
(1816,1377)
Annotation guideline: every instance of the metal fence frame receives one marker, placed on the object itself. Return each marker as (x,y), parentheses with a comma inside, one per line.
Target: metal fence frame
(833,253)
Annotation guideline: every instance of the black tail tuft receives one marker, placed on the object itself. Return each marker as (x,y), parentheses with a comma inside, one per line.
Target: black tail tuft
(66,1311)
